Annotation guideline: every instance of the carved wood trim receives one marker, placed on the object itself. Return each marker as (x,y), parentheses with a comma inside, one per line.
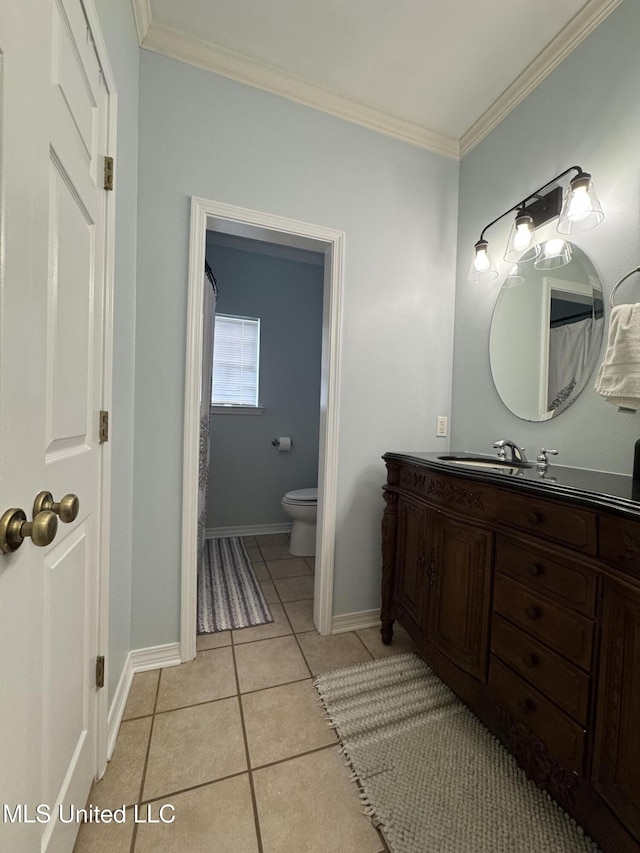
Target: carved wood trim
(413,479)
(389,533)
(448,493)
(443,490)
(533,756)
(393,473)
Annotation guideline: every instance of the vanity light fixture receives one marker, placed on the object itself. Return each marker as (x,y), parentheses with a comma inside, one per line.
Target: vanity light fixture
(580,211)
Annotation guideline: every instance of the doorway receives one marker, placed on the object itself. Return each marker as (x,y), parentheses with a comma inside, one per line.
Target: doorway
(241,222)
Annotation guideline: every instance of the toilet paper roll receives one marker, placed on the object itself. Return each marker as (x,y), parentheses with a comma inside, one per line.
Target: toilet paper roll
(284,443)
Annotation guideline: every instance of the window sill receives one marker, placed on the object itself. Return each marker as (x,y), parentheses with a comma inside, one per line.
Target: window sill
(237,410)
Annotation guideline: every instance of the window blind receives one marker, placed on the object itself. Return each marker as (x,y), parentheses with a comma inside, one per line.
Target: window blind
(236,361)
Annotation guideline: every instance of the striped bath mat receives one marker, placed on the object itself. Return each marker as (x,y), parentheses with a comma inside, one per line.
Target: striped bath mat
(431,774)
(229,595)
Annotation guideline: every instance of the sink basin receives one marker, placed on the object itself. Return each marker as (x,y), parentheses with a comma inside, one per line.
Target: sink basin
(492,463)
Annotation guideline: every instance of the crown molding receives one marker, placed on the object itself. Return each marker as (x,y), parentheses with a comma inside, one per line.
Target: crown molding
(237,67)
(227,63)
(547,60)
(142,16)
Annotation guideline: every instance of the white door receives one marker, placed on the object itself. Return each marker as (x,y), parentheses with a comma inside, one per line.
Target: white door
(53,137)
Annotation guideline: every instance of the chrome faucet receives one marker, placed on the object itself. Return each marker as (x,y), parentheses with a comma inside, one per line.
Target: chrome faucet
(517,453)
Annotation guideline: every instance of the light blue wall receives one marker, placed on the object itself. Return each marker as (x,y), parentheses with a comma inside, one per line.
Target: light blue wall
(587,112)
(247,476)
(203,135)
(116,20)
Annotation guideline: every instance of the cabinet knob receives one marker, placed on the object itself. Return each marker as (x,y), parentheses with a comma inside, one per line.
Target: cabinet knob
(535,517)
(526,706)
(530,661)
(532,612)
(535,569)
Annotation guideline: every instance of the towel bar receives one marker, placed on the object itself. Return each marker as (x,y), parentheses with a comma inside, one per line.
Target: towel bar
(624,278)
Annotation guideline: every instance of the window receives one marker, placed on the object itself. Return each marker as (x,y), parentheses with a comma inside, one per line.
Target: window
(236,361)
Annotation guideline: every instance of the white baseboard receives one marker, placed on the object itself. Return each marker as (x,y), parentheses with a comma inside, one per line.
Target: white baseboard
(355,621)
(138,660)
(247,530)
(116,709)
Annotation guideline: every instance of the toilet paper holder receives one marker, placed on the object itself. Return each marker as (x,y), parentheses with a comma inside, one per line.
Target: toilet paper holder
(276,442)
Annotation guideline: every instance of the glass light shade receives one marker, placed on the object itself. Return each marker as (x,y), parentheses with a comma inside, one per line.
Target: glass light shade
(482,268)
(521,238)
(554,253)
(581,209)
(514,278)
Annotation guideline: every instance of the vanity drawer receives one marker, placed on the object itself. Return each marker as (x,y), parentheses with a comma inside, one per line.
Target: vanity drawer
(462,496)
(564,684)
(567,582)
(571,525)
(563,630)
(620,542)
(564,738)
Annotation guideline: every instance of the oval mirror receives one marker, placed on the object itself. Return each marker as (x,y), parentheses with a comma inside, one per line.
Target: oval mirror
(546,332)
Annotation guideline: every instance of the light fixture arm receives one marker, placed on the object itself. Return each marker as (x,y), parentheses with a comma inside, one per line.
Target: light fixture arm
(535,194)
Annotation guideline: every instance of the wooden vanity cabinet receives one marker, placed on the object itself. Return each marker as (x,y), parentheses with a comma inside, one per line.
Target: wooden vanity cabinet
(529,609)
(441,568)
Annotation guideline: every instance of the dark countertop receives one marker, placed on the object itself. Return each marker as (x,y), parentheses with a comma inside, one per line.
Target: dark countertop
(599,489)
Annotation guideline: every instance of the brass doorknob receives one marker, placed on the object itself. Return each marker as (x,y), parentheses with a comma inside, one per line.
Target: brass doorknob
(14,529)
(67,508)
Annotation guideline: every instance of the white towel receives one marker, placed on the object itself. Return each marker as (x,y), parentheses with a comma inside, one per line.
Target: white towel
(618,379)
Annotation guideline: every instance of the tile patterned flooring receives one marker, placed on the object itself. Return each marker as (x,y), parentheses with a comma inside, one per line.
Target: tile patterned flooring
(236,740)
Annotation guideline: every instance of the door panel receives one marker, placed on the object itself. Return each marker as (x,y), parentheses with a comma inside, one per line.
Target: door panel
(459,600)
(616,765)
(53,138)
(66,586)
(69,320)
(412,560)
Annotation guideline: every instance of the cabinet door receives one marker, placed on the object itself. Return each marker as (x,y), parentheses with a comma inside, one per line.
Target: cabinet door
(412,560)
(616,766)
(459,597)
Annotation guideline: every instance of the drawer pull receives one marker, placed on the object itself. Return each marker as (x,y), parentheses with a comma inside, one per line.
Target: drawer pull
(535,517)
(530,661)
(526,706)
(532,612)
(535,569)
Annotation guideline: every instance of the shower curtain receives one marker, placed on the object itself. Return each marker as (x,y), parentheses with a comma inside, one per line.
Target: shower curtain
(209,313)
(570,346)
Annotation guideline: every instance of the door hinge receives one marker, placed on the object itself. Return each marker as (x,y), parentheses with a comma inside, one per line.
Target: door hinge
(108,173)
(100,671)
(103,430)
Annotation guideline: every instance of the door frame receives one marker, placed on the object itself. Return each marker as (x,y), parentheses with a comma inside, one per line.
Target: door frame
(102,704)
(228,219)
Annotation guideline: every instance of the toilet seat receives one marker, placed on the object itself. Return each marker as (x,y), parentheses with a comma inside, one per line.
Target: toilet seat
(301,497)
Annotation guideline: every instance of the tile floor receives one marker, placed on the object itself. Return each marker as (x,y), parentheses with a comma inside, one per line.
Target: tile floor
(236,740)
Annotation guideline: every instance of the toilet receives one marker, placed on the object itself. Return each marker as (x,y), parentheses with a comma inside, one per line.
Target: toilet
(302,506)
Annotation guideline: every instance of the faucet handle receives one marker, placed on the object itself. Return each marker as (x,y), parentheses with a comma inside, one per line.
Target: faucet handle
(541,459)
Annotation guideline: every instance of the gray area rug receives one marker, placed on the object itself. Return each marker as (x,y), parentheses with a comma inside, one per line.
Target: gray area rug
(431,775)
(229,594)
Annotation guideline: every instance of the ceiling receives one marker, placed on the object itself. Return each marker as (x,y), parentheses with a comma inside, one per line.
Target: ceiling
(437,73)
